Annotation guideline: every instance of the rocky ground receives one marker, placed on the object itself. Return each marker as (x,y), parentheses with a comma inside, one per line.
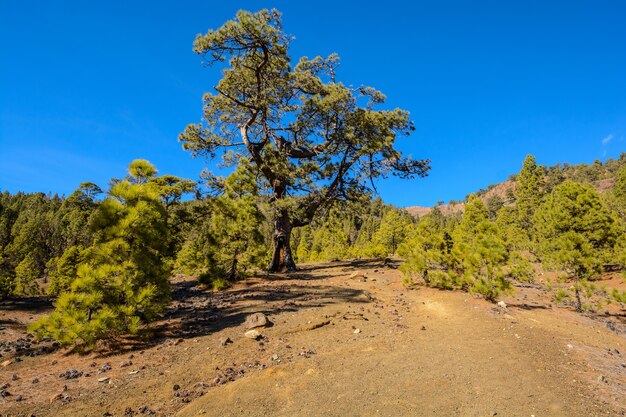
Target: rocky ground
(337,339)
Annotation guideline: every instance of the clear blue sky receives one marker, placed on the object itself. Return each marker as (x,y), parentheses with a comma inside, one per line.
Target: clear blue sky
(85,87)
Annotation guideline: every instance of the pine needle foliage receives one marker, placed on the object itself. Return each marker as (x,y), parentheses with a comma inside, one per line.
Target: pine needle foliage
(122,282)
(576,233)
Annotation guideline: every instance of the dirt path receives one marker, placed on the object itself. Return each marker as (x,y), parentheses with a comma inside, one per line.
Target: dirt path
(343,345)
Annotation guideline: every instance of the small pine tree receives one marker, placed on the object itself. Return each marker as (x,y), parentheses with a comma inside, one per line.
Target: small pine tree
(529,192)
(64,270)
(393,230)
(576,233)
(26,275)
(235,227)
(123,281)
(471,258)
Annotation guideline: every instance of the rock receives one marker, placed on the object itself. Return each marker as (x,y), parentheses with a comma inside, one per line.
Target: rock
(275,357)
(358,274)
(104,368)
(145,410)
(256,320)
(252,334)
(4,393)
(306,353)
(501,304)
(176,387)
(71,374)
(423,328)
(125,364)
(357,331)
(225,341)
(35,381)
(104,379)
(19,398)
(603,379)
(6,363)
(14,377)
(61,397)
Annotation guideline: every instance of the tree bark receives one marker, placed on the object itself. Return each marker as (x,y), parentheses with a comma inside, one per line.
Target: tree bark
(579,304)
(282,260)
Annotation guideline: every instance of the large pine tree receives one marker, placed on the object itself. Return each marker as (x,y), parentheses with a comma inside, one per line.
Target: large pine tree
(312,139)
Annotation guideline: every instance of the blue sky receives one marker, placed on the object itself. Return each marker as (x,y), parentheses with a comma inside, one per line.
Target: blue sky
(85,87)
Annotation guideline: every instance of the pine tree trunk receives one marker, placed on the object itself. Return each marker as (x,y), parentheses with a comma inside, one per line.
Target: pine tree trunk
(281,258)
(579,304)
(232,274)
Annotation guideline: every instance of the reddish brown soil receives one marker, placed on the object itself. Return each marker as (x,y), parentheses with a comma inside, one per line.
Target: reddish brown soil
(340,345)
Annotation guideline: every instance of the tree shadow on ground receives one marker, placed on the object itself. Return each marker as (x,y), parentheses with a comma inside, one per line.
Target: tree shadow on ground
(34,305)
(526,306)
(196,311)
(309,272)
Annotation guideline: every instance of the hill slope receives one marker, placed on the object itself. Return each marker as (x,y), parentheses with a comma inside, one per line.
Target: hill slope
(342,343)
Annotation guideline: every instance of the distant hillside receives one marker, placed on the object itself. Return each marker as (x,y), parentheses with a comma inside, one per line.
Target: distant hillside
(503,191)
(600,175)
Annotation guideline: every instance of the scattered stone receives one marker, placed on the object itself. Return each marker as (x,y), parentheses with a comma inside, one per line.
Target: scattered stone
(6,363)
(176,387)
(133,372)
(318,325)
(275,357)
(104,368)
(35,381)
(4,393)
(19,398)
(358,274)
(64,398)
(306,353)
(71,374)
(252,334)
(125,364)
(145,410)
(54,362)
(14,377)
(603,379)
(357,331)
(423,328)
(104,379)
(256,320)
(131,356)
(501,304)
(225,341)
